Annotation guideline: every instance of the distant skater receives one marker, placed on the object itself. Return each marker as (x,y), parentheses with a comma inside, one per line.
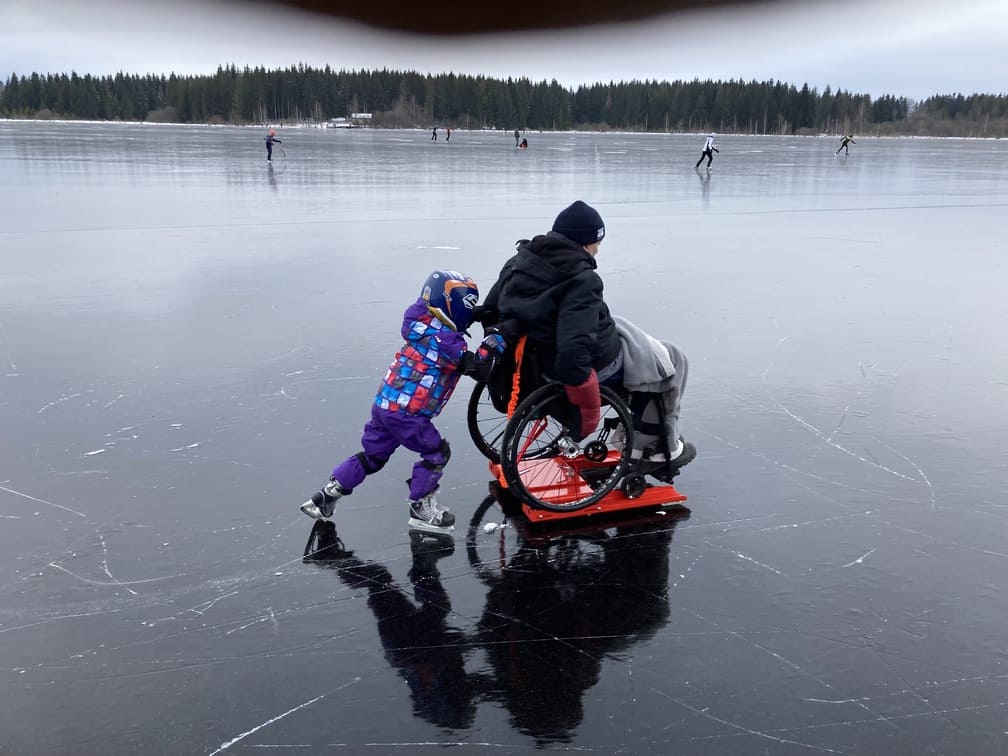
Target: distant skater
(434,135)
(848,139)
(448,134)
(708,151)
(517,137)
(271,137)
(524,144)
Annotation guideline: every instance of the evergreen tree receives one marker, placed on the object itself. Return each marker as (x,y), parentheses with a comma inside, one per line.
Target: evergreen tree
(406,98)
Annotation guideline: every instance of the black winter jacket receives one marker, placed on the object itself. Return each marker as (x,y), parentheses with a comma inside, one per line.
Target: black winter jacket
(551,292)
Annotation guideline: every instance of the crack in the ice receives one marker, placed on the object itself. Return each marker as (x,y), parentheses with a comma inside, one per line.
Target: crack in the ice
(797,668)
(735,726)
(934,539)
(105,565)
(917,468)
(829,439)
(205,606)
(64,398)
(227,744)
(884,719)
(115,583)
(42,501)
(839,447)
(861,558)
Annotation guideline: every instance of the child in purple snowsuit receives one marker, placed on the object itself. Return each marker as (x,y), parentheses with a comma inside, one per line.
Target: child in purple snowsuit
(415,389)
(271,138)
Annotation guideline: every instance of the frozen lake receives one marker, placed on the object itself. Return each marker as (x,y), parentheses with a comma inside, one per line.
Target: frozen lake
(190,339)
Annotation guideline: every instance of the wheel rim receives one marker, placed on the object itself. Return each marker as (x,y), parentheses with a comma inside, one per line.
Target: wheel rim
(486,424)
(541,476)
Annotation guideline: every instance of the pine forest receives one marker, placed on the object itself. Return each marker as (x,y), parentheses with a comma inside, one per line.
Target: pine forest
(398,99)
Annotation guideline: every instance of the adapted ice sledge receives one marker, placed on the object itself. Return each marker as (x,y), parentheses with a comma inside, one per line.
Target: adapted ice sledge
(521,423)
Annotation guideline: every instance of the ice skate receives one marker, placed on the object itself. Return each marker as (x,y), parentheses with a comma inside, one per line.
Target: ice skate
(322,503)
(427,515)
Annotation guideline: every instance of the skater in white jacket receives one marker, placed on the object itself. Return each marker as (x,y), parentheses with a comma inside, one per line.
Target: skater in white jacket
(708,151)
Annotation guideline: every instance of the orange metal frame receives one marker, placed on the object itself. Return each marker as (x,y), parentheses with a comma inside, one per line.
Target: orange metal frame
(559,480)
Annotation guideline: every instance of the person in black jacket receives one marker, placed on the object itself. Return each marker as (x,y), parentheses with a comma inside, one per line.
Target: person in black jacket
(271,139)
(848,139)
(550,292)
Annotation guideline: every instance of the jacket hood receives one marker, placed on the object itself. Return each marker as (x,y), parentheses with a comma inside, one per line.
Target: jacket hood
(552,258)
(420,323)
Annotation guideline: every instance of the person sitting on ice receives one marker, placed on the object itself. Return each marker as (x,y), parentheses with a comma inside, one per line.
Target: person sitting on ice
(550,292)
(415,389)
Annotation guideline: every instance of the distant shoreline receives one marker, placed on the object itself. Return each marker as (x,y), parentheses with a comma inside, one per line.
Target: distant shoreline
(424,129)
(402,99)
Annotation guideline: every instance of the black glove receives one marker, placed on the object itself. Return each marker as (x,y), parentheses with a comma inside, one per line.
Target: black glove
(488,353)
(467,364)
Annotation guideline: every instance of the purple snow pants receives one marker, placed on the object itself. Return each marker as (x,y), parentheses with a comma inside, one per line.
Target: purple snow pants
(383,434)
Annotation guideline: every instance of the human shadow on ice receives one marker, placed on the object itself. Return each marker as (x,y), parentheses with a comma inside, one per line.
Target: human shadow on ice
(558,603)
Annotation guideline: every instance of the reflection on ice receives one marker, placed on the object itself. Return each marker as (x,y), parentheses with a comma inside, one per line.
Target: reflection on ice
(188,336)
(556,606)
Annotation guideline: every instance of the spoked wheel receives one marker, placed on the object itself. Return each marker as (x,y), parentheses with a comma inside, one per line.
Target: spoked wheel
(490,548)
(494,551)
(545,468)
(486,424)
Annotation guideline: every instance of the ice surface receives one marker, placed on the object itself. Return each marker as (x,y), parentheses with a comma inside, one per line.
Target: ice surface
(190,339)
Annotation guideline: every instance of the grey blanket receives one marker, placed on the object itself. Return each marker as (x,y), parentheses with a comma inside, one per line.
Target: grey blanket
(655,367)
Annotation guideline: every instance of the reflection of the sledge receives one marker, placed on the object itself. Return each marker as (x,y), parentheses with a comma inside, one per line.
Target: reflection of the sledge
(558,602)
(496,546)
(561,599)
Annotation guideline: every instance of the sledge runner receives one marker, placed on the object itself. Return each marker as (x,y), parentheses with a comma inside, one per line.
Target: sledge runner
(415,389)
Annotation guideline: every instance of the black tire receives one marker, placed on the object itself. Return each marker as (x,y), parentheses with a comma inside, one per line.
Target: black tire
(486,423)
(519,550)
(633,486)
(487,551)
(535,434)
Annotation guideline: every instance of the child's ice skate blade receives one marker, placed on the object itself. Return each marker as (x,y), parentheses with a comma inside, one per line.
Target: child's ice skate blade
(428,515)
(322,503)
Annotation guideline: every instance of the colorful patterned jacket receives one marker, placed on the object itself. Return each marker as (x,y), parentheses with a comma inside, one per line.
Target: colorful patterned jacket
(426,368)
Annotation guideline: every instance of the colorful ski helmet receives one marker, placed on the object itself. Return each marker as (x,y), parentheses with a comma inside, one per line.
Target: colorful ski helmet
(451,297)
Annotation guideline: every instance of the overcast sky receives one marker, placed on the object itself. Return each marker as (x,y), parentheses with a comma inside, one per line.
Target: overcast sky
(914,48)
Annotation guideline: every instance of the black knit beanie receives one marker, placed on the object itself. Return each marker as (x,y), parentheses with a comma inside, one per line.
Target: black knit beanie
(580,223)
